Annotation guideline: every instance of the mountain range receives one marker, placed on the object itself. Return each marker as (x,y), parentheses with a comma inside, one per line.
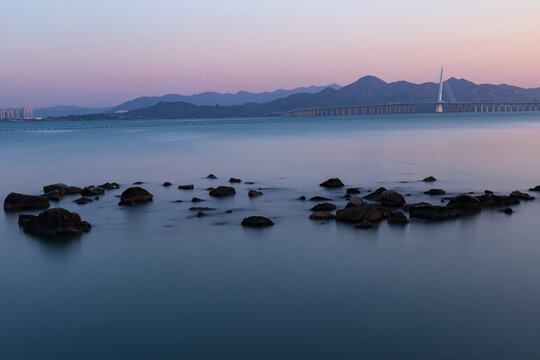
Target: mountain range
(365,91)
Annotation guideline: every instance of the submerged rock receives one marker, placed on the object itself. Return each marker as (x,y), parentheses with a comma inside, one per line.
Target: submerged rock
(430,179)
(138,183)
(435,192)
(302,198)
(507,211)
(430,212)
(82,200)
(135,195)
(364,225)
(56,221)
(15,202)
(321,215)
(516,194)
(186,187)
(166,184)
(223,191)
(465,204)
(198,208)
(376,195)
(398,218)
(254,193)
(257,222)
(392,198)
(319,198)
(235,180)
(211,176)
(491,201)
(196,199)
(353,191)
(324,207)
(369,212)
(332,183)
(92,191)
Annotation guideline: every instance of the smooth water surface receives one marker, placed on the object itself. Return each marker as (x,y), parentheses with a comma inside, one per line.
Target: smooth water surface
(156,281)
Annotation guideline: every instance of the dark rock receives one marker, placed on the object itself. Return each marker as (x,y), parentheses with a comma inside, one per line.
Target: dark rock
(135,195)
(96,198)
(110,186)
(82,200)
(507,211)
(63,189)
(303,198)
(201,214)
(364,225)
(211,176)
(521,196)
(15,202)
(321,215)
(324,207)
(491,201)
(210,188)
(465,204)
(392,198)
(488,192)
(376,195)
(536,188)
(201,209)
(435,192)
(355,201)
(369,212)
(257,221)
(52,195)
(397,218)
(235,180)
(92,191)
(54,222)
(332,183)
(430,179)
(353,191)
(138,183)
(222,191)
(249,182)
(196,199)
(254,193)
(186,187)
(167,184)
(433,213)
(178,201)
(319,198)
(228,212)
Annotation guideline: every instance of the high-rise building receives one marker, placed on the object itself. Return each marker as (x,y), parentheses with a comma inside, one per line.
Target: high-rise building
(13,113)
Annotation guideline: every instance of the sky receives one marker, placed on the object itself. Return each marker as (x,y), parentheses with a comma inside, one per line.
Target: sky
(103,52)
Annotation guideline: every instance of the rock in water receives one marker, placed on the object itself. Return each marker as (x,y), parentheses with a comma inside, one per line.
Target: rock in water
(166,184)
(223,191)
(92,191)
(321,215)
(433,213)
(196,199)
(15,202)
(465,204)
(324,207)
(507,211)
(83,200)
(135,195)
(536,188)
(186,187)
(369,212)
(110,186)
(56,221)
(319,198)
(63,189)
(211,176)
(398,218)
(521,196)
(435,192)
(332,183)
(353,191)
(430,179)
(257,222)
(52,195)
(392,198)
(355,201)
(364,225)
(235,180)
(376,195)
(254,193)
(491,201)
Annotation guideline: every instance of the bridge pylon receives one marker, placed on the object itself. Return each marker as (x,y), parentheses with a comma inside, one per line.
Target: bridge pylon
(440,102)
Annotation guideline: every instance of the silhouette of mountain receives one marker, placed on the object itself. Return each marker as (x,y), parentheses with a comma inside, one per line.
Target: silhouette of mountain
(214,98)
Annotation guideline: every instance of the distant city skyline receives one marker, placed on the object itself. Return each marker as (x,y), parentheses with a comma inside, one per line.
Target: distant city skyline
(102,53)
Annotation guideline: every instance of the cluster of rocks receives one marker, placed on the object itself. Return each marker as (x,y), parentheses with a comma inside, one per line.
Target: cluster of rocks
(364,213)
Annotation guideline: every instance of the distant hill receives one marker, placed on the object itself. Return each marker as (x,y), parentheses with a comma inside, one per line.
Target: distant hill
(365,91)
(65,110)
(214,98)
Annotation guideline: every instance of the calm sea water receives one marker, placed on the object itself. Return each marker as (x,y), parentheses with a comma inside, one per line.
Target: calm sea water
(155,281)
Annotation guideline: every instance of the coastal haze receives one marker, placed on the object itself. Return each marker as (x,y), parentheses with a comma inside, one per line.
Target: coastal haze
(269,180)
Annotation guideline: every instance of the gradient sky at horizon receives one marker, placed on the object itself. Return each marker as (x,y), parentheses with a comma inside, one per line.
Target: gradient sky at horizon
(103,52)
